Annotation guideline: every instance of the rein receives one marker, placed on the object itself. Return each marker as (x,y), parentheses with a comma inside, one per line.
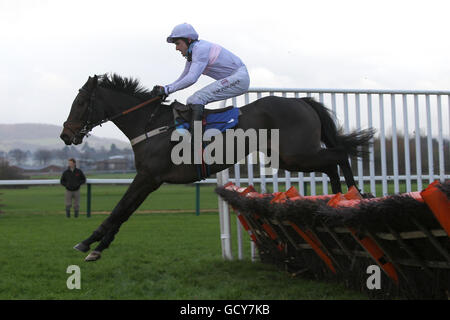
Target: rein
(89,126)
(143,104)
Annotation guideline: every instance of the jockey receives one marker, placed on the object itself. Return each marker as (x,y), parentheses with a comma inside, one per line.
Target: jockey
(207,58)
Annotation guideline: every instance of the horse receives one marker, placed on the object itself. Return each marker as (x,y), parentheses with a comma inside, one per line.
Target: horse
(309,141)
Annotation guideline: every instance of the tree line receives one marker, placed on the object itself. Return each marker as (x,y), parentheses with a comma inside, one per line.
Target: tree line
(87,153)
(389,157)
(423,151)
(45,156)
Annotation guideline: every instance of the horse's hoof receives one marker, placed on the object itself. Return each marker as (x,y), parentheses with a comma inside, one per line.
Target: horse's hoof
(93,256)
(82,247)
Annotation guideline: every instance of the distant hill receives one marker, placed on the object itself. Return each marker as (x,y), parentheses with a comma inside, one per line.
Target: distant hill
(33,136)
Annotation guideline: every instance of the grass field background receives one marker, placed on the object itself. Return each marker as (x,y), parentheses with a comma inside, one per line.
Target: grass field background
(156,255)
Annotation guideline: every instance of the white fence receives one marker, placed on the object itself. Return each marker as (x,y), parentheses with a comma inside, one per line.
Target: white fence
(394,113)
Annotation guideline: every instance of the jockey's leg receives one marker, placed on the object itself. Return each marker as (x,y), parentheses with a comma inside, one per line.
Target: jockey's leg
(197,115)
(229,87)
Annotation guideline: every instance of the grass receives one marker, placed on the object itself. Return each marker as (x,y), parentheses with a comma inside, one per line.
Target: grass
(154,256)
(50,199)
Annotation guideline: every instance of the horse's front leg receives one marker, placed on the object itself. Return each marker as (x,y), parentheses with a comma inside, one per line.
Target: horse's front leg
(138,191)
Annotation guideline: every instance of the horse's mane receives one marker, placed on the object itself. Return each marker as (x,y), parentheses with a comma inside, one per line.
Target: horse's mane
(129,86)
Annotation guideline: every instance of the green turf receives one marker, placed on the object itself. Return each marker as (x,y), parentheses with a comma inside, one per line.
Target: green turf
(50,199)
(154,256)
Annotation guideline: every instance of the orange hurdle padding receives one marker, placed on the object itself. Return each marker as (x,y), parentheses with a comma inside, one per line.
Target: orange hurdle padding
(377,254)
(246,227)
(319,197)
(437,201)
(333,202)
(308,237)
(273,235)
(339,198)
(352,198)
(251,192)
(232,187)
(336,202)
(254,195)
(248,190)
(416,195)
(292,194)
(353,194)
(314,244)
(279,198)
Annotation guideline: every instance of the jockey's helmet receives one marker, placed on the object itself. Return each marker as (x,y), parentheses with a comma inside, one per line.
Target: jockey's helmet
(184,30)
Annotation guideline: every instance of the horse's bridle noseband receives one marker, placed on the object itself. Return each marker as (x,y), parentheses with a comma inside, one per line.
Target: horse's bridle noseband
(87,127)
(89,124)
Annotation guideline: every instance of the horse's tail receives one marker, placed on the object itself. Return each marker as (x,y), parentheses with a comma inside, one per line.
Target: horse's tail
(333,136)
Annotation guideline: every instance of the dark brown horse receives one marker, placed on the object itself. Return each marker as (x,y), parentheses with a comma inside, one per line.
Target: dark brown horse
(303,125)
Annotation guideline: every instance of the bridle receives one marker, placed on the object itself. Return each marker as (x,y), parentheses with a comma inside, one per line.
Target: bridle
(90,124)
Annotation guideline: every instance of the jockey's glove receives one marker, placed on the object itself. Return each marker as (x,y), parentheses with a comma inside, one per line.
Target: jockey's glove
(159,91)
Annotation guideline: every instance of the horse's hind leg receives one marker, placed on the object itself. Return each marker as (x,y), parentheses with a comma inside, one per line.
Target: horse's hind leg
(326,161)
(333,173)
(347,171)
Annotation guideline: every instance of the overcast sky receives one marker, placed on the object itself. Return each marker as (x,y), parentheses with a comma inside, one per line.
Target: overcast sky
(49,48)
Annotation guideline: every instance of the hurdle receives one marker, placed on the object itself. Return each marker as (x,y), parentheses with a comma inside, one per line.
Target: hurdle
(337,237)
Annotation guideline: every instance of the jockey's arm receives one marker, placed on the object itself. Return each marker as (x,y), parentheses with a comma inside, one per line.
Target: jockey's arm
(183,74)
(191,73)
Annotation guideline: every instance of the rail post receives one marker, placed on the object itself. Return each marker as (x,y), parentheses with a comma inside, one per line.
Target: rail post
(197,199)
(88,207)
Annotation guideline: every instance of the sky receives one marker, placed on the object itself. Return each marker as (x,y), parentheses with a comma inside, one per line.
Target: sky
(50,48)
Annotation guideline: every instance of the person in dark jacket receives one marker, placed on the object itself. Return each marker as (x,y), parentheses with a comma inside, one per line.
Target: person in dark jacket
(72,179)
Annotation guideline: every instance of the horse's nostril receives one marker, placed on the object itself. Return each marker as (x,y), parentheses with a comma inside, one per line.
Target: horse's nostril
(65,137)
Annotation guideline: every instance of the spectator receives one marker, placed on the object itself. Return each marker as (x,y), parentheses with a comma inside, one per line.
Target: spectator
(72,179)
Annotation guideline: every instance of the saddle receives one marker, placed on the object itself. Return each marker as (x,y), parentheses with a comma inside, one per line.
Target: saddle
(184,112)
(220,119)
(182,115)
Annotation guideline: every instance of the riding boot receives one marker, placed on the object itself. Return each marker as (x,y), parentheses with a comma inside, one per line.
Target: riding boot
(76,213)
(197,115)
(68,212)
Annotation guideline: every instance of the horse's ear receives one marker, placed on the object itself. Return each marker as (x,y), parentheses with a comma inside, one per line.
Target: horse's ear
(92,81)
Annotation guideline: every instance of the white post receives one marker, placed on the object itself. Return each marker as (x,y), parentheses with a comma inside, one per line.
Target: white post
(224,215)
(371,148)
(237,176)
(250,160)
(383,146)
(429,140)
(418,143)
(394,145)
(406,143)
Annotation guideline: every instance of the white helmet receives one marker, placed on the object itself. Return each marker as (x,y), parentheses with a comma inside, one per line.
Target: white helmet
(184,30)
